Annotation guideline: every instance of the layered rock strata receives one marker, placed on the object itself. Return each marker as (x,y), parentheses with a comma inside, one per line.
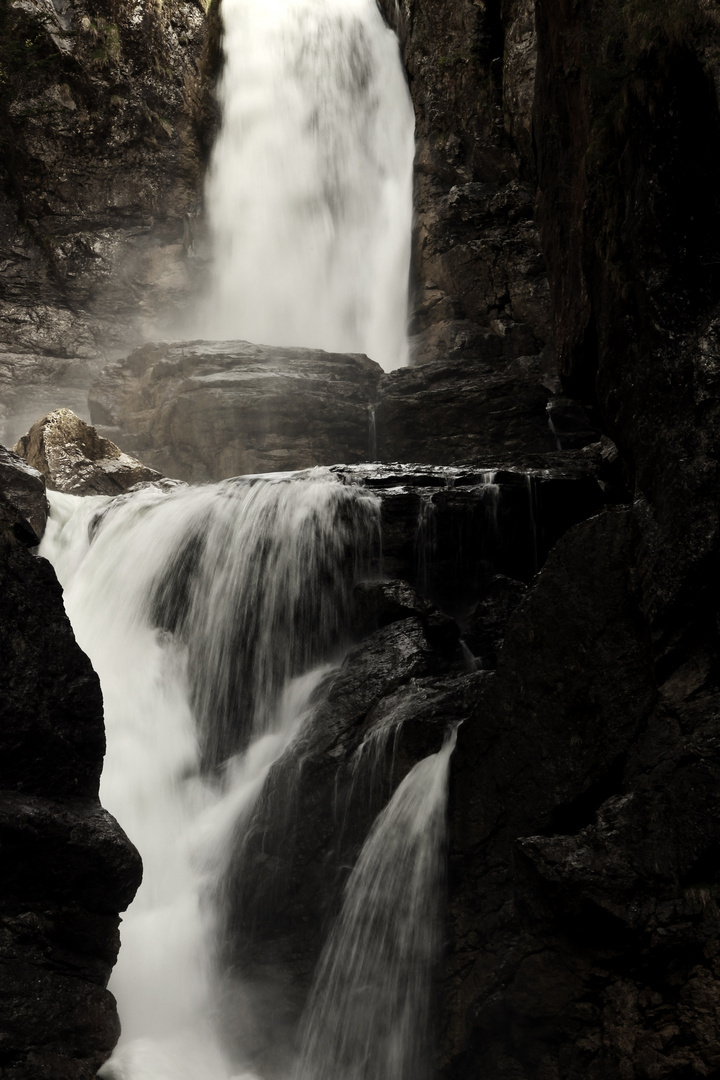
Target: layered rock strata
(207,410)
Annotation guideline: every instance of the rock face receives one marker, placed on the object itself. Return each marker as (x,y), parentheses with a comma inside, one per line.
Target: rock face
(105,117)
(584,857)
(68,868)
(22,490)
(208,410)
(479,270)
(74,458)
(204,410)
(387,706)
(463,410)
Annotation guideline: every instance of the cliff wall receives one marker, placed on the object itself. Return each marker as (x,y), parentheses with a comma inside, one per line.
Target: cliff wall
(585,855)
(106,118)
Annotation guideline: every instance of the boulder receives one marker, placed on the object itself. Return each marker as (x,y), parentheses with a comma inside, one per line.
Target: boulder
(74,458)
(204,410)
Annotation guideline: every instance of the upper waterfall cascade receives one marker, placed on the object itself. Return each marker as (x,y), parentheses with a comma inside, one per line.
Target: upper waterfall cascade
(211,616)
(309,195)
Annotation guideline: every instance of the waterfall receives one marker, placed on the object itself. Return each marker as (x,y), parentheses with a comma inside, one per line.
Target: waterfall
(309,194)
(369,1013)
(207,613)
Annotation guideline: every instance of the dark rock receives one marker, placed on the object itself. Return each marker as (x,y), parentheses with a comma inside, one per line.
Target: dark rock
(484,628)
(23,489)
(389,705)
(208,410)
(106,113)
(74,458)
(462,411)
(448,530)
(478,265)
(67,866)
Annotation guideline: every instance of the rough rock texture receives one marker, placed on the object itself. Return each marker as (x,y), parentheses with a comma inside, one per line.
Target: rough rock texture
(448,530)
(105,122)
(74,458)
(634,149)
(207,410)
(463,410)
(204,410)
(387,706)
(67,866)
(33,385)
(22,490)
(479,272)
(585,858)
(585,840)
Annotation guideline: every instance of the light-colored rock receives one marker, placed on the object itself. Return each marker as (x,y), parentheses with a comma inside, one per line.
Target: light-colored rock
(74,458)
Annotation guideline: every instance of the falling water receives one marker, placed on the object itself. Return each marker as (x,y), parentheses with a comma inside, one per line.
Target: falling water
(369,1013)
(309,195)
(161,588)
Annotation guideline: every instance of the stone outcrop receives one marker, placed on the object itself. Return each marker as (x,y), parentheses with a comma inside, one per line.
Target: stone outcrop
(74,458)
(205,410)
(32,385)
(585,839)
(208,410)
(68,868)
(584,860)
(464,410)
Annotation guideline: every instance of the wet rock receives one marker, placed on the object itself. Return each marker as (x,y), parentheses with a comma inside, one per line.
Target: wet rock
(209,410)
(478,264)
(461,411)
(22,488)
(448,530)
(386,707)
(72,457)
(32,385)
(68,868)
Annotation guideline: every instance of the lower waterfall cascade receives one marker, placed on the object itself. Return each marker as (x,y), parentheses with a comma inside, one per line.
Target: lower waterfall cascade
(309,192)
(213,616)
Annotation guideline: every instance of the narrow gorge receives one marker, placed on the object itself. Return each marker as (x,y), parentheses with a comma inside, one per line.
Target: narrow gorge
(360,530)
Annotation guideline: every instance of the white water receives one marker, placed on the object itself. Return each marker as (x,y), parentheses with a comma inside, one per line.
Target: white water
(267,546)
(309,195)
(369,1013)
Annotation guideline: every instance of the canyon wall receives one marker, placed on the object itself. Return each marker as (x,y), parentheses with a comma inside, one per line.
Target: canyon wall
(585,858)
(567,226)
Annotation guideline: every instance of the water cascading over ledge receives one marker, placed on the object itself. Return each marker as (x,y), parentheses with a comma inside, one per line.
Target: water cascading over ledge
(309,193)
(157,584)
